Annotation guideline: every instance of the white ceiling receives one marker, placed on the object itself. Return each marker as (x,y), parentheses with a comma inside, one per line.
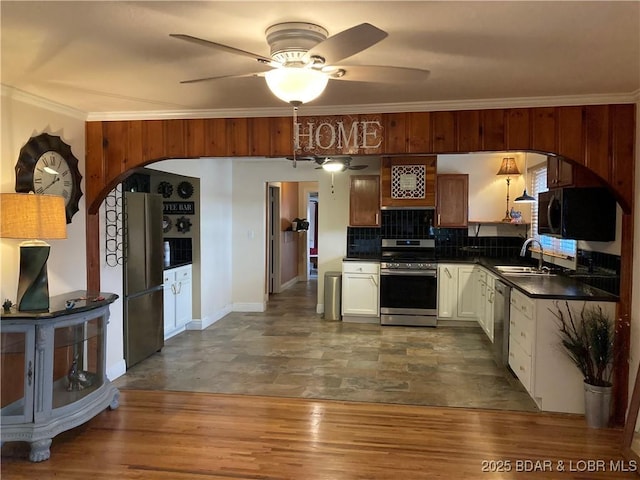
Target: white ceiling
(116,58)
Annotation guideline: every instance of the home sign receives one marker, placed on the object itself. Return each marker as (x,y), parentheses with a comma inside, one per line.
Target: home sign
(337,134)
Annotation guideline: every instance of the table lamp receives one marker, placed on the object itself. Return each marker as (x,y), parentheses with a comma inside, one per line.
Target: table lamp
(508,168)
(32,218)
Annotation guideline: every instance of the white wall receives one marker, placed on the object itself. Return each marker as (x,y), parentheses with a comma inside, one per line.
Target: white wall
(21,121)
(250,176)
(488,191)
(215,242)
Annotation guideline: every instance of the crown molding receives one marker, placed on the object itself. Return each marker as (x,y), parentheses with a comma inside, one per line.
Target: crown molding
(41,102)
(311,110)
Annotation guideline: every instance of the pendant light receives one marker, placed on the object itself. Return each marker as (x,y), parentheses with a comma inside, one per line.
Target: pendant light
(525,197)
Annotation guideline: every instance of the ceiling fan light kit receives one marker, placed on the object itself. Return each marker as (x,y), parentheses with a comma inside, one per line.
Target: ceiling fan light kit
(296,85)
(333,166)
(303,58)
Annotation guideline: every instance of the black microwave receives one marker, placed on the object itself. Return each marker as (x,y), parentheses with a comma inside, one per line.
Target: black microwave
(578,213)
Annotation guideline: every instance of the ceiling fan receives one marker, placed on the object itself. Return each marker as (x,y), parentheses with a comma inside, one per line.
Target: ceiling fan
(330,164)
(304,58)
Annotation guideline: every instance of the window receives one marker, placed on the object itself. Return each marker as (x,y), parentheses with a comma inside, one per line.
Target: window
(554,246)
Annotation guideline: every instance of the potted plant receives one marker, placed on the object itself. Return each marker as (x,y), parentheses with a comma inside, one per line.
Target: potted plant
(588,340)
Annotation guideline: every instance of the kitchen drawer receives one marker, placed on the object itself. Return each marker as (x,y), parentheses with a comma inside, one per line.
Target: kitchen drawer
(522,332)
(520,363)
(522,303)
(361,267)
(183,273)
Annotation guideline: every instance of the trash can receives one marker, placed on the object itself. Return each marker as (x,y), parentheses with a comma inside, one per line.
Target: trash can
(332,295)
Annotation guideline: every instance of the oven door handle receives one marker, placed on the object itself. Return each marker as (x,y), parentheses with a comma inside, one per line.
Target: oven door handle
(410,273)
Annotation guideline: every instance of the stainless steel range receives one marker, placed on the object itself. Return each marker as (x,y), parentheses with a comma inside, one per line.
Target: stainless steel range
(408,282)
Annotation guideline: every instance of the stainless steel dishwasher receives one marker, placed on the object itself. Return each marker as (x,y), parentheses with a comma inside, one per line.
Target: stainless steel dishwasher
(501,322)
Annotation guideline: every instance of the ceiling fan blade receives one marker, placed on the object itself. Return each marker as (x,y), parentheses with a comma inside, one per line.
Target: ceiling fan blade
(378,74)
(356,167)
(220,77)
(347,43)
(220,46)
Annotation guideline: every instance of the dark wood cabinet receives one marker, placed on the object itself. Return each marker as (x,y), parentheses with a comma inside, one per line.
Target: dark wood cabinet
(364,201)
(408,181)
(452,200)
(561,173)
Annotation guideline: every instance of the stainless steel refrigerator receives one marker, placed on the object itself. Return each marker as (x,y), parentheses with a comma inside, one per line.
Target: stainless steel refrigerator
(143,276)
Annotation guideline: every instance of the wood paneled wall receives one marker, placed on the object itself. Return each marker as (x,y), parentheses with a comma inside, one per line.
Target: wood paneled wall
(600,137)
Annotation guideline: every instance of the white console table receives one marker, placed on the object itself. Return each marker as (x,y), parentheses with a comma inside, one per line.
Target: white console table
(53,369)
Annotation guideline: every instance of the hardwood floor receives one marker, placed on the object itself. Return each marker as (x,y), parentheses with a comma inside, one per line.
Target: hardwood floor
(184,435)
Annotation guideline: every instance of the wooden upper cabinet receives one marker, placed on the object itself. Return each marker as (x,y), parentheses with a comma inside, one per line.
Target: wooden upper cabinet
(408,181)
(561,173)
(452,200)
(364,201)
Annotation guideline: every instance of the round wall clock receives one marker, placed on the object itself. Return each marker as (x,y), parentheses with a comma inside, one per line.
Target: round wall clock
(185,189)
(166,189)
(47,166)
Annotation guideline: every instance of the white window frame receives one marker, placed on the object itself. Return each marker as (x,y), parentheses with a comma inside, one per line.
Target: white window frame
(553,246)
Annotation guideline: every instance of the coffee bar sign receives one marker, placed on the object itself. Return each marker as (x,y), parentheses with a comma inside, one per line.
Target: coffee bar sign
(337,135)
(178,208)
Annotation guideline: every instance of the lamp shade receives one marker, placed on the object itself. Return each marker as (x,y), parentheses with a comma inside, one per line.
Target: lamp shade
(525,198)
(508,167)
(30,216)
(296,85)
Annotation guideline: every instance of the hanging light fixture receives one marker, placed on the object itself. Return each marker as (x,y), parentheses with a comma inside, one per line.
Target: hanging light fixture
(296,85)
(525,197)
(508,168)
(333,166)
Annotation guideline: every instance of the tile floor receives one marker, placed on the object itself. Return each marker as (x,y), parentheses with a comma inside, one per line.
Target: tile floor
(291,351)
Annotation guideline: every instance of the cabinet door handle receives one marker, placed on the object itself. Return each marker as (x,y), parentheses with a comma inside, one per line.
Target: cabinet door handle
(446,270)
(179,288)
(30,373)
(438,219)
(173,288)
(377,218)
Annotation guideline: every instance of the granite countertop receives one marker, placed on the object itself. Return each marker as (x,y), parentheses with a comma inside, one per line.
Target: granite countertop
(362,259)
(559,287)
(176,265)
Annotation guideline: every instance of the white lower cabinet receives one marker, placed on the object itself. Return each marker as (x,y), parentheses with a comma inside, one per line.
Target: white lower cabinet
(537,357)
(177,300)
(486,300)
(360,291)
(457,292)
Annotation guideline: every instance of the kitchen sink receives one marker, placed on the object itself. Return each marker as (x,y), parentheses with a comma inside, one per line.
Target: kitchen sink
(521,270)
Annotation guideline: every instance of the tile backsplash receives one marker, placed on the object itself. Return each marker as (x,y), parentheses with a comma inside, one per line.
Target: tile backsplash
(412,224)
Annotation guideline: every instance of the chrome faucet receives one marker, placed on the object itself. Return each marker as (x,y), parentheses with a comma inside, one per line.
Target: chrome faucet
(523,250)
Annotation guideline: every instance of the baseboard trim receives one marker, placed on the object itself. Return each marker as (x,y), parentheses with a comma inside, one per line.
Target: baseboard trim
(202,324)
(289,284)
(249,307)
